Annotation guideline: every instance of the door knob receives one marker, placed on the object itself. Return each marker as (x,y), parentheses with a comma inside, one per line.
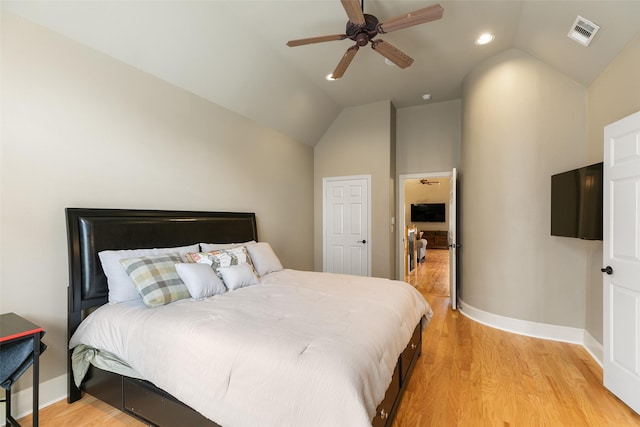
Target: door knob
(362,241)
(607,269)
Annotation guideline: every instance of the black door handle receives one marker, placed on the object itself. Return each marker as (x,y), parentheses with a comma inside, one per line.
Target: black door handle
(607,269)
(362,241)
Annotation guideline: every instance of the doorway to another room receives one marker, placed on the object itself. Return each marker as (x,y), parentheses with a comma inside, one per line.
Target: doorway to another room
(424,223)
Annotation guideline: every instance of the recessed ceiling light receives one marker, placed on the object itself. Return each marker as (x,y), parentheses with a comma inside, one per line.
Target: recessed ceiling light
(426,97)
(485,38)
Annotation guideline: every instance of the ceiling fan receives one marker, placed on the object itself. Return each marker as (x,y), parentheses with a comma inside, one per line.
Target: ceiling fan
(362,28)
(425,181)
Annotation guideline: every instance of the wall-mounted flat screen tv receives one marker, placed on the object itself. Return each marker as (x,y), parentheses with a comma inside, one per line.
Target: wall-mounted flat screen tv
(428,212)
(576,203)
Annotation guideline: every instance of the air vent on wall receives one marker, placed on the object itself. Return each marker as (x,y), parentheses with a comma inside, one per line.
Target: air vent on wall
(583,31)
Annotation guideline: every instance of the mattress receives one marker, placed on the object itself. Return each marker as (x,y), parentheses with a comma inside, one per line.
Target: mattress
(300,348)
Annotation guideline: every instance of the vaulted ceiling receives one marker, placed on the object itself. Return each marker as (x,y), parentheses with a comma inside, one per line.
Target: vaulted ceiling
(234,53)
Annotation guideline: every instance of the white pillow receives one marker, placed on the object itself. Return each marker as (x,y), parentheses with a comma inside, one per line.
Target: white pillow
(264,260)
(121,287)
(238,276)
(208,247)
(201,280)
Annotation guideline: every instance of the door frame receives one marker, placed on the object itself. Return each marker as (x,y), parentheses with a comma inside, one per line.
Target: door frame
(325,180)
(400,214)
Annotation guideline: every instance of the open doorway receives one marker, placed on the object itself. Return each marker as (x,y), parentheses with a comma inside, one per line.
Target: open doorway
(423,226)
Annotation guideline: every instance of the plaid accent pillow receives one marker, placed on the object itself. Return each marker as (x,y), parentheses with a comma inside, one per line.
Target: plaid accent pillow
(221,258)
(156,278)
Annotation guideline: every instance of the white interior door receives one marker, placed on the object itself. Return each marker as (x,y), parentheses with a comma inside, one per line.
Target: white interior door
(346,225)
(621,256)
(453,240)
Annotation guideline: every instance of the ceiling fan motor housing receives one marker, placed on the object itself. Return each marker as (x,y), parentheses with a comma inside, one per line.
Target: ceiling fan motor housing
(362,34)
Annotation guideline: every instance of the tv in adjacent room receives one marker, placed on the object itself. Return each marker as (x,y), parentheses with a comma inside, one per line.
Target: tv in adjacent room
(428,212)
(576,203)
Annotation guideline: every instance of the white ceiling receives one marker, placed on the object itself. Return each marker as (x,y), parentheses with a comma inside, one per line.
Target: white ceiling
(234,53)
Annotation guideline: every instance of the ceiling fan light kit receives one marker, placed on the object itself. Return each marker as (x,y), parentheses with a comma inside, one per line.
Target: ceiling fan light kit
(362,28)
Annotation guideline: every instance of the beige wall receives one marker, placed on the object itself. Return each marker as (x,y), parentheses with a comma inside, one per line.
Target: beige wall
(81,129)
(613,95)
(522,121)
(429,138)
(359,142)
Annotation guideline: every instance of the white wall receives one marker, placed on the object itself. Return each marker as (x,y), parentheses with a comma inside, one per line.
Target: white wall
(522,121)
(80,129)
(359,142)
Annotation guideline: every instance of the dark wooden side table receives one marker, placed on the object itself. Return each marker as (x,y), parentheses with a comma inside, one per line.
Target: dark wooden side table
(14,328)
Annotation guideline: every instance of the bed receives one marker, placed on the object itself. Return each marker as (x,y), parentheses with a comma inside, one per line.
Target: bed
(349,369)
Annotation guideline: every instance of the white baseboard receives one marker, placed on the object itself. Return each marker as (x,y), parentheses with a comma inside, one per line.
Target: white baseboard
(536,330)
(594,348)
(49,392)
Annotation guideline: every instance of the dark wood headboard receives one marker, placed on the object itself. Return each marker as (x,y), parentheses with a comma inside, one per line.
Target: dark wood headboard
(93,230)
(90,231)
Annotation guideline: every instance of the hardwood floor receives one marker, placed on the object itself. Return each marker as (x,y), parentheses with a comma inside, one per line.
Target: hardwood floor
(468,375)
(473,375)
(87,412)
(431,276)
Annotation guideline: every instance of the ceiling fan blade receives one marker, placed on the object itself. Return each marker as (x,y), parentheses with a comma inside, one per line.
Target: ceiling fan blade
(420,16)
(354,11)
(392,53)
(344,62)
(320,39)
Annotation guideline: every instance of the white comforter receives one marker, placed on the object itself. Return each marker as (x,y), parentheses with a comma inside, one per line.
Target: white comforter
(300,349)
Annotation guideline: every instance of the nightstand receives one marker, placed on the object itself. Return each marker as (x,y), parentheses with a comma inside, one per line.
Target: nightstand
(13,329)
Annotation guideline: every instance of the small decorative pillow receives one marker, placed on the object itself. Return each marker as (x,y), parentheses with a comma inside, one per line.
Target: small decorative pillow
(238,276)
(263,258)
(208,247)
(200,279)
(221,258)
(156,278)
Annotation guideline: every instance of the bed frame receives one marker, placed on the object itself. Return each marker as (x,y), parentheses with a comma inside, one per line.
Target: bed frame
(90,231)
